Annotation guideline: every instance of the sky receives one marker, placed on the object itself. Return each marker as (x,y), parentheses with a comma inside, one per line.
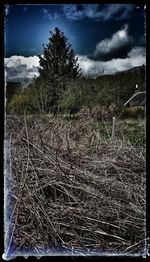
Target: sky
(106,38)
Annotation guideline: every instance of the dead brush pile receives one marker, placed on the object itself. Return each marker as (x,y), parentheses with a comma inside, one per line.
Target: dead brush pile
(98,112)
(73,191)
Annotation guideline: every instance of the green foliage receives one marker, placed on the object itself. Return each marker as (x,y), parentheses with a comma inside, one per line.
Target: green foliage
(59,58)
(102,91)
(72,99)
(79,93)
(12,88)
(40,95)
(20,101)
(118,88)
(57,65)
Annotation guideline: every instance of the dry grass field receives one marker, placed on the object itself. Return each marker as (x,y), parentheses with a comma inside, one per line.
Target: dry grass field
(74,190)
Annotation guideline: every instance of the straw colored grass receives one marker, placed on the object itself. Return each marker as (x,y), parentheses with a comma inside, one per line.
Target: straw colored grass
(71,189)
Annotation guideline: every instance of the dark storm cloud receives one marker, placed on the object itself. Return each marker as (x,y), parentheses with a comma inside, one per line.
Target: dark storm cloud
(141,41)
(117,46)
(98,12)
(136,57)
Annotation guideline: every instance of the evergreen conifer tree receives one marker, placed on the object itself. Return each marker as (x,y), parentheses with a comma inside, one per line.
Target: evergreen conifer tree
(57,65)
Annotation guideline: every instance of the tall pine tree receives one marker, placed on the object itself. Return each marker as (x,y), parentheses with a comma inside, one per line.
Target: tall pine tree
(57,65)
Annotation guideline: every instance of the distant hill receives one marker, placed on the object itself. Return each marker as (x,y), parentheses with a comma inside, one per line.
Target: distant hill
(138,70)
(134,70)
(119,87)
(130,78)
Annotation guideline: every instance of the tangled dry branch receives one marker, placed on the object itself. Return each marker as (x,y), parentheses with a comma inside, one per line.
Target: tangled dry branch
(70,189)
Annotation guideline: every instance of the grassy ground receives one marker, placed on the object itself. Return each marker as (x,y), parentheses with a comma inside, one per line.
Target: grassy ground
(74,188)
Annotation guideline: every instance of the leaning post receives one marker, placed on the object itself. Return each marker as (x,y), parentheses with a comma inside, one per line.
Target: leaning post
(113,127)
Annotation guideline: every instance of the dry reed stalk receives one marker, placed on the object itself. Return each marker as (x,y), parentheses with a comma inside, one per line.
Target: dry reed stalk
(67,193)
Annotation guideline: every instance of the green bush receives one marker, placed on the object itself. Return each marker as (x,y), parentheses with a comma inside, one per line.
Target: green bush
(71,101)
(21,101)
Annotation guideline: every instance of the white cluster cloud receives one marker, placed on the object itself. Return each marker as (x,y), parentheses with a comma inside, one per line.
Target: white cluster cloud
(98,12)
(136,57)
(115,47)
(18,68)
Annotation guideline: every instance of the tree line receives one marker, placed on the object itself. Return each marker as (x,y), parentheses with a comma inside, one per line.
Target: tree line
(61,88)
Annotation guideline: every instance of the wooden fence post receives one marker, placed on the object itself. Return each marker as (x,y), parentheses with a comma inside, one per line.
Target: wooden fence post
(113,127)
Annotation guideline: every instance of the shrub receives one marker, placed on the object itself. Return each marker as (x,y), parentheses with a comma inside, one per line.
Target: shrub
(21,101)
